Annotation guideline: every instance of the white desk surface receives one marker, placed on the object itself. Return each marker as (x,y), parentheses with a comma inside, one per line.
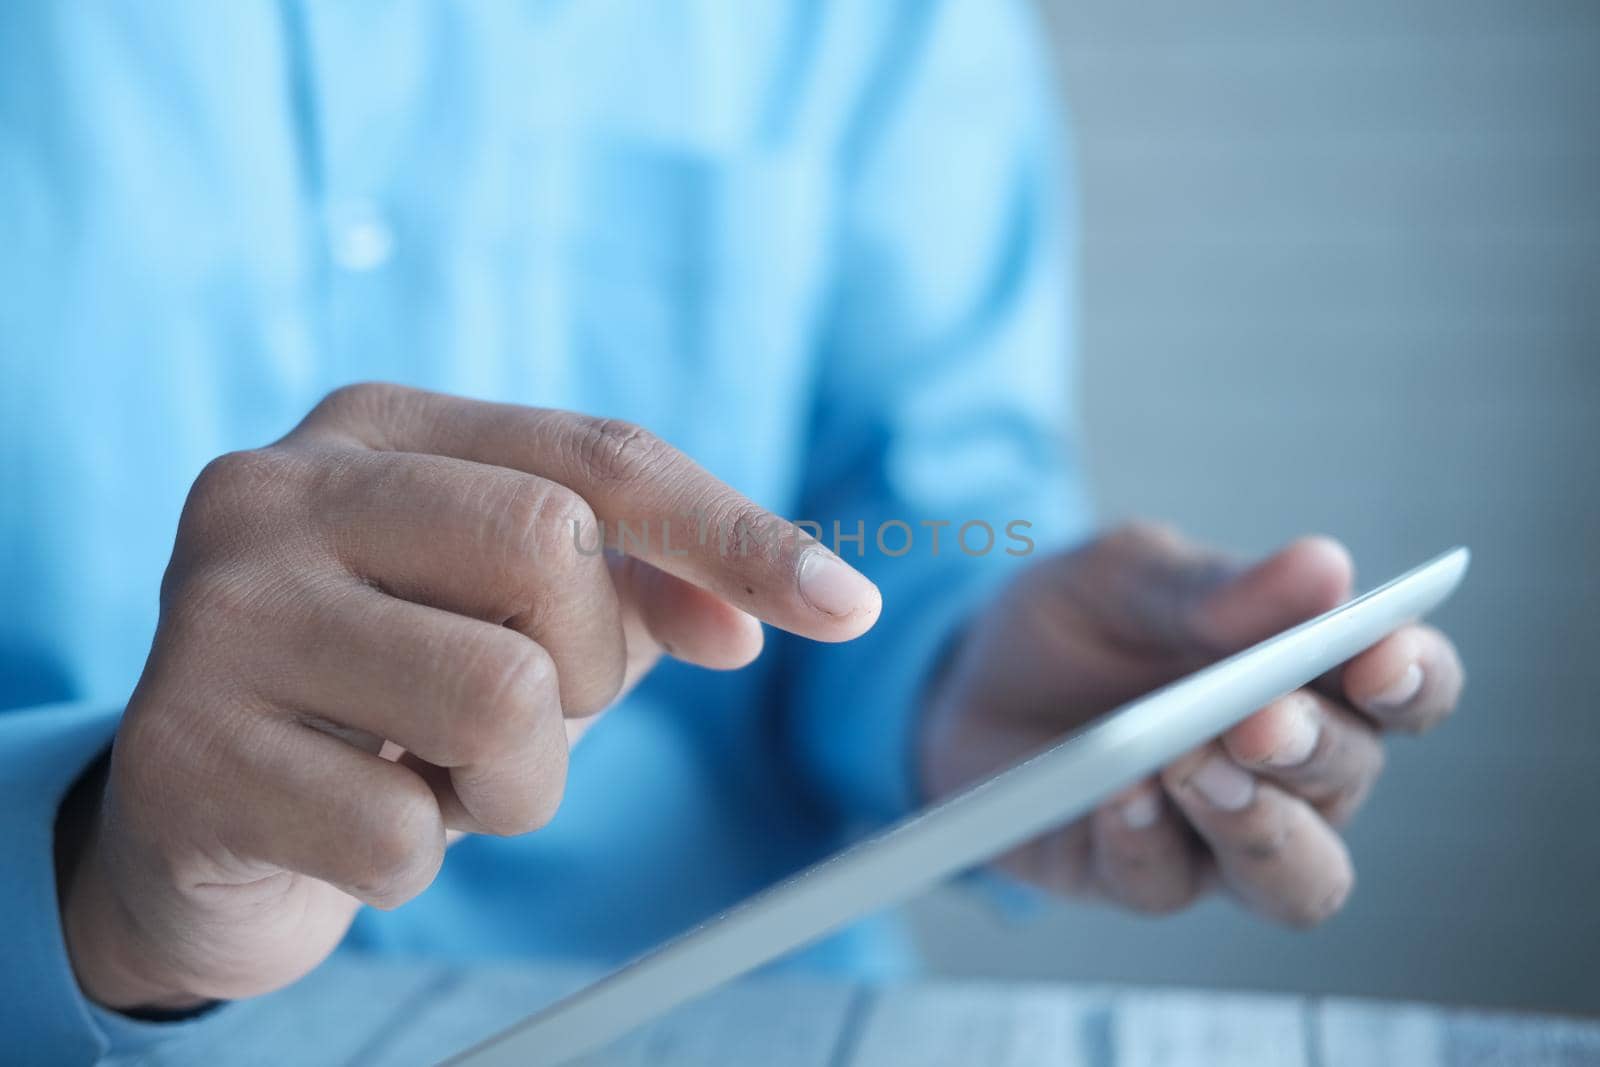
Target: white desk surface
(375,1013)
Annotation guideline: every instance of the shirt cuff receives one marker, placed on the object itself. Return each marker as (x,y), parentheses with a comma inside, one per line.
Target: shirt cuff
(45,1016)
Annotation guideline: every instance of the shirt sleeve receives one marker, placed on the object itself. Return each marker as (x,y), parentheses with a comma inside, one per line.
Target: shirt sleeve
(944,396)
(44,1016)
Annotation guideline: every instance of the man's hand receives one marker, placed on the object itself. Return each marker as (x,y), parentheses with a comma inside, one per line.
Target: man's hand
(1258,807)
(381,630)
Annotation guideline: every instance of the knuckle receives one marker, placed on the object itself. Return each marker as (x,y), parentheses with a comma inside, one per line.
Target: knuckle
(591,679)
(534,816)
(546,770)
(551,769)
(358,400)
(541,520)
(248,503)
(599,689)
(228,487)
(405,849)
(233,473)
(544,809)
(510,693)
(751,530)
(358,413)
(619,452)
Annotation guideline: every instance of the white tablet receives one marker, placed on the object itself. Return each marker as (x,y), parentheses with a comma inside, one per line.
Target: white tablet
(1060,784)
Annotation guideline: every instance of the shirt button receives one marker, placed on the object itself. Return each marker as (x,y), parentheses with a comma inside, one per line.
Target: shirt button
(361,237)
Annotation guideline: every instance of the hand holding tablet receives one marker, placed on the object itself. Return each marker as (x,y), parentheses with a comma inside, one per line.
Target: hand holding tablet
(1255,813)
(1050,789)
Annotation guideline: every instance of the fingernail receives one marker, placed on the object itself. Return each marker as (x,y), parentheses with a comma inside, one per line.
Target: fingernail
(1402,691)
(832,586)
(1223,783)
(1140,811)
(1300,733)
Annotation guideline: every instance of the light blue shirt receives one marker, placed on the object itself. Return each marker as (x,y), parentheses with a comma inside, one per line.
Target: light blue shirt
(820,247)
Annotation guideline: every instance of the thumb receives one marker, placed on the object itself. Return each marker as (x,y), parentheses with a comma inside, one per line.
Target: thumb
(1301,580)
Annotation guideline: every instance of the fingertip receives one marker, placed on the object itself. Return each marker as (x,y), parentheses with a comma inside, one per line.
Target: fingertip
(870,612)
(729,640)
(1250,742)
(1141,857)
(838,630)
(1282,734)
(1137,808)
(695,626)
(1388,675)
(745,640)
(831,588)
(1174,774)
(1314,909)
(1324,566)
(1303,579)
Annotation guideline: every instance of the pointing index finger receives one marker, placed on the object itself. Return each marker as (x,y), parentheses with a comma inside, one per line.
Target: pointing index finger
(650,500)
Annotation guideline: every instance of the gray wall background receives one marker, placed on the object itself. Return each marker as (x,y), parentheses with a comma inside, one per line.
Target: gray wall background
(1342,273)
